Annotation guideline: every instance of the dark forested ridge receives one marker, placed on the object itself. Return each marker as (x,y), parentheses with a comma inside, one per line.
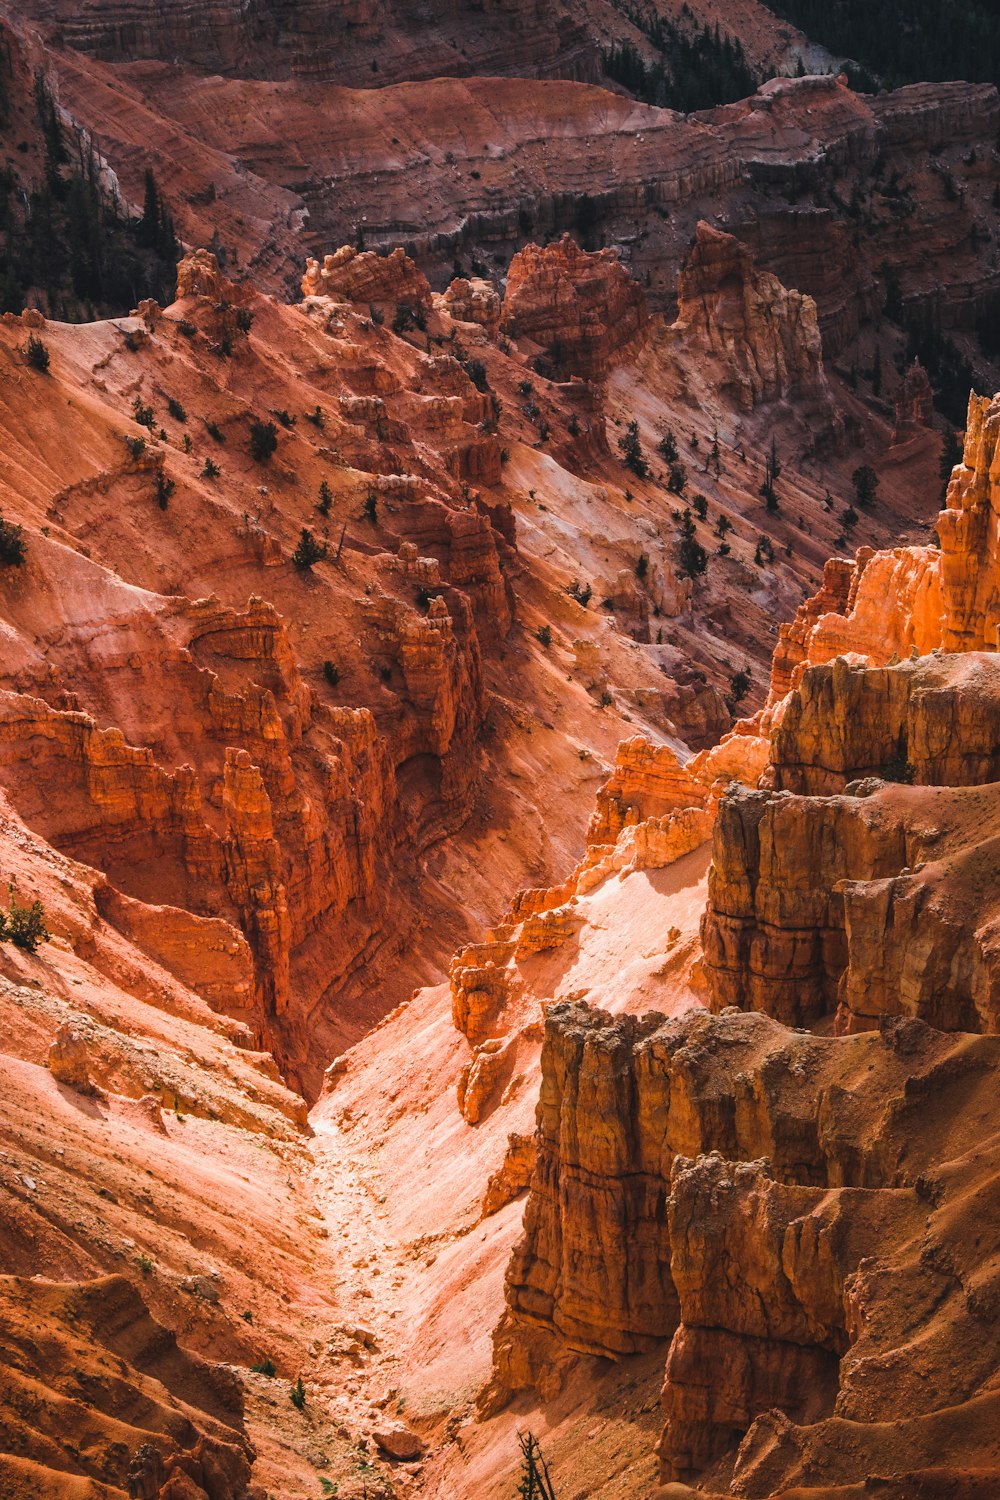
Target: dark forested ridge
(905,41)
(67,242)
(697,68)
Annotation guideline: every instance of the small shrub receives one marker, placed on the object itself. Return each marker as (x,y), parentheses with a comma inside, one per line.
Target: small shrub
(476,372)
(145,1264)
(187,442)
(700,507)
(176,410)
(265,1367)
(668,446)
(136,447)
(325,499)
(12,544)
(37,354)
(739,686)
(187,329)
(244,319)
(403,319)
(631,450)
(308,551)
(605,700)
(285,418)
(215,432)
(641,566)
(164,489)
(263,440)
(849,518)
(143,414)
(316,417)
(24,925)
(210,469)
(693,558)
(544,635)
(581,592)
(677,479)
(866,482)
(331,673)
(371,506)
(899,769)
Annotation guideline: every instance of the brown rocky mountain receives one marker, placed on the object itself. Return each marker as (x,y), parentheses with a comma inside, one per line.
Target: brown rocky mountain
(497,760)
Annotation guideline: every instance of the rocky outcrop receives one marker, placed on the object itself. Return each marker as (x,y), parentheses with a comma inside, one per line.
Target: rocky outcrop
(913,404)
(647,782)
(582,308)
(654,1215)
(385,282)
(763,1275)
(167,1424)
(766,337)
(621,1101)
(69,1060)
(512,1176)
(932,720)
(473,300)
(822,903)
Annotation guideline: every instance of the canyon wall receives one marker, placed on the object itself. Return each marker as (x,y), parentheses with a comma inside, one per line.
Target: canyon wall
(751,1191)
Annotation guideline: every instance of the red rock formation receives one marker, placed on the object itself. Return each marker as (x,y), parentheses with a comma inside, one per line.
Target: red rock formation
(351,275)
(473,300)
(766,337)
(822,903)
(650,1216)
(164,1424)
(581,308)
(913,404)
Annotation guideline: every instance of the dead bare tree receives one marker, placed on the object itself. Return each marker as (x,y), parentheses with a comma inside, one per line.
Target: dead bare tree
(535,1483)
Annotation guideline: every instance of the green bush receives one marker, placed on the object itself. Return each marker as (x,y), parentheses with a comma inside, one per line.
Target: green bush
(12,544)
(263,440)
(308,551)
(143,414)
(37,355)
(24,926)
